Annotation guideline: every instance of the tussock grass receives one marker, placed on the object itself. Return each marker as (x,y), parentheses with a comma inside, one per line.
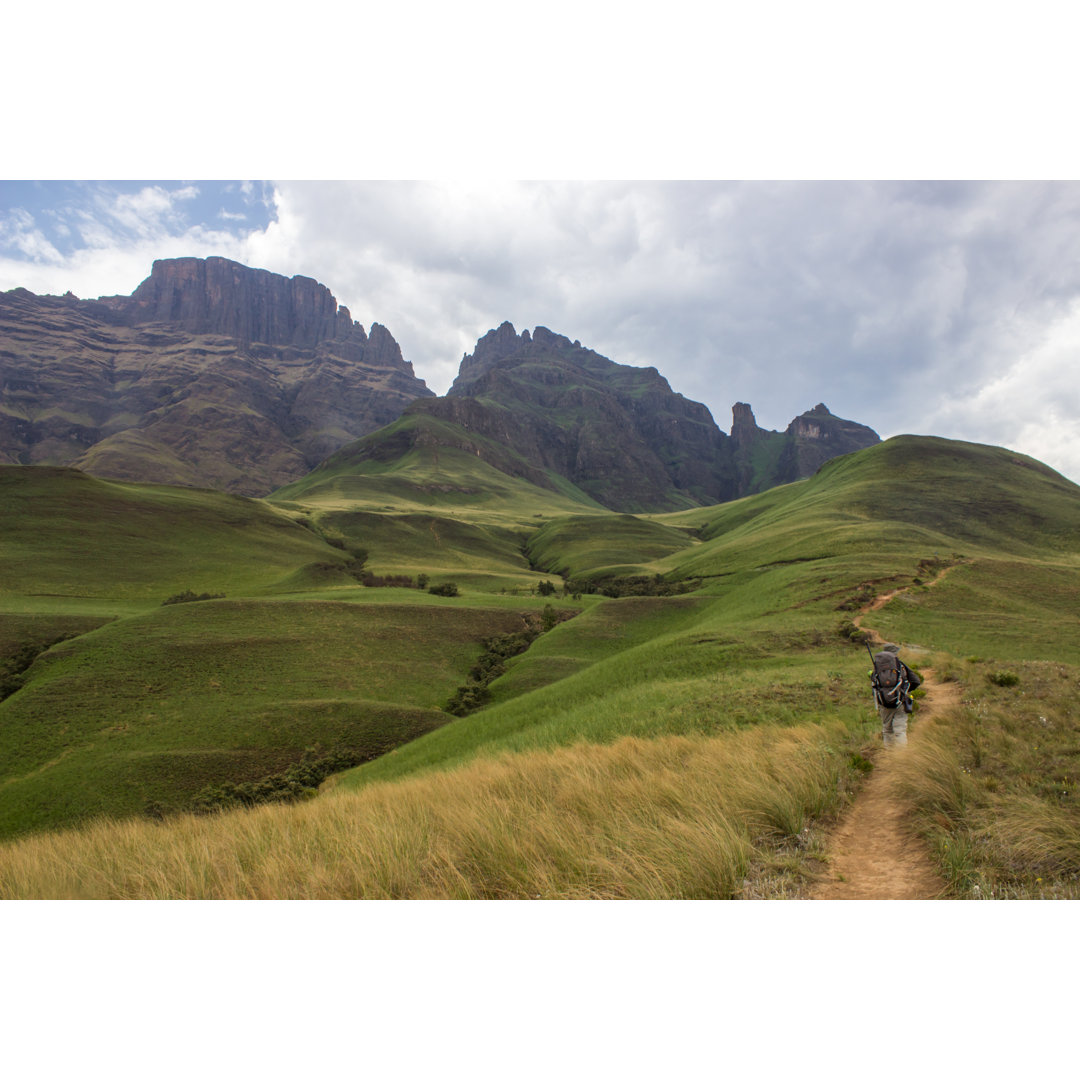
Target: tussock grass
(993,785)
(660,818)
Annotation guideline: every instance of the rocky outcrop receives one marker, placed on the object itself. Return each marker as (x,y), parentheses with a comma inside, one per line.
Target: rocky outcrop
(744,429)
(819,436)
(210,374)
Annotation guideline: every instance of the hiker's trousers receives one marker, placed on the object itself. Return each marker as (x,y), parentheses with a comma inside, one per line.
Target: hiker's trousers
(893,725)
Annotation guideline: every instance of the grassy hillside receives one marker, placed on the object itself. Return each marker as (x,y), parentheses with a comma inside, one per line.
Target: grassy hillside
(911,493)
(638,724)
(69,536)
(416,464)
(152,708)
(575,546)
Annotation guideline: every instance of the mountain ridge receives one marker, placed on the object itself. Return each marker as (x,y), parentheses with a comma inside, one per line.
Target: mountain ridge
(214,374)
(619,433)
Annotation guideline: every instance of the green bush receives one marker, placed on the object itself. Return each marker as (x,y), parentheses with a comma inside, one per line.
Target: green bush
(448,588)
(1003,678)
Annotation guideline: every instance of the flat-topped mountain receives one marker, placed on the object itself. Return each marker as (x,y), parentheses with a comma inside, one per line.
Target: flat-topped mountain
(542,408)
(210,374)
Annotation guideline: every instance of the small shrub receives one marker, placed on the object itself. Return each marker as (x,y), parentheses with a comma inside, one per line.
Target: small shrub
(448,588)
(1003,678)
(545,588)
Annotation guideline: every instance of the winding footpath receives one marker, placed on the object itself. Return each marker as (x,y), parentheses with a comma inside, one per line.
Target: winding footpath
(873,854)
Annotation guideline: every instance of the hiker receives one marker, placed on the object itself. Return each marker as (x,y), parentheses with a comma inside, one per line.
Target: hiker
(893,682)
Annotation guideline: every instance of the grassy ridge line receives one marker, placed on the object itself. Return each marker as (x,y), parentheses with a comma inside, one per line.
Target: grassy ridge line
(664,818)
(939,495)
(575,545)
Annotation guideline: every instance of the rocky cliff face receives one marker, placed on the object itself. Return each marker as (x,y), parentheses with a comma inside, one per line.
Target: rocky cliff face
(536,404)
(218,296)
(210,374)
(619,433)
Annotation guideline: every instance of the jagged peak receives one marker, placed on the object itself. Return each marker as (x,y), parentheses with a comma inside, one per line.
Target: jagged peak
(744,426)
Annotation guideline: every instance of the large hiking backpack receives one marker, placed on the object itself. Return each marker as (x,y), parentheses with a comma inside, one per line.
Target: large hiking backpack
(887,679)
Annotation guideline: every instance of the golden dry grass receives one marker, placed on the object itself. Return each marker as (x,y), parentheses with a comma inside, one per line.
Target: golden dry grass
(989,783)
(674,817)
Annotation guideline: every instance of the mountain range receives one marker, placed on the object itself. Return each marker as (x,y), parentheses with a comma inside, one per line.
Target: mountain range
(213,374)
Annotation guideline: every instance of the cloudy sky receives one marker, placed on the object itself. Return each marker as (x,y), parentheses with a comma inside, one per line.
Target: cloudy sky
(949,308)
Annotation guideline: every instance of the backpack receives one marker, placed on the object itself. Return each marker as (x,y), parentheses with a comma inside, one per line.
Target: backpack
(887,679)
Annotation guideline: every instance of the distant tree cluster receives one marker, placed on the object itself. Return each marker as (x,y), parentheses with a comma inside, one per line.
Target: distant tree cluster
(188,597)
(403,581)
(639,585)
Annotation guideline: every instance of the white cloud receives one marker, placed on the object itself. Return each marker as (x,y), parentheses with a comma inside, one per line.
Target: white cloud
(20,232)
(1033,405)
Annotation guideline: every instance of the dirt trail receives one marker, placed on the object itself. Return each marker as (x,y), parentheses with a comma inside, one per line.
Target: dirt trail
(873,853)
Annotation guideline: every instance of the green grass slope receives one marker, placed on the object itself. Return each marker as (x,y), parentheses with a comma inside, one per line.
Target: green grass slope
(575,547)
(981,544)
(68,537)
